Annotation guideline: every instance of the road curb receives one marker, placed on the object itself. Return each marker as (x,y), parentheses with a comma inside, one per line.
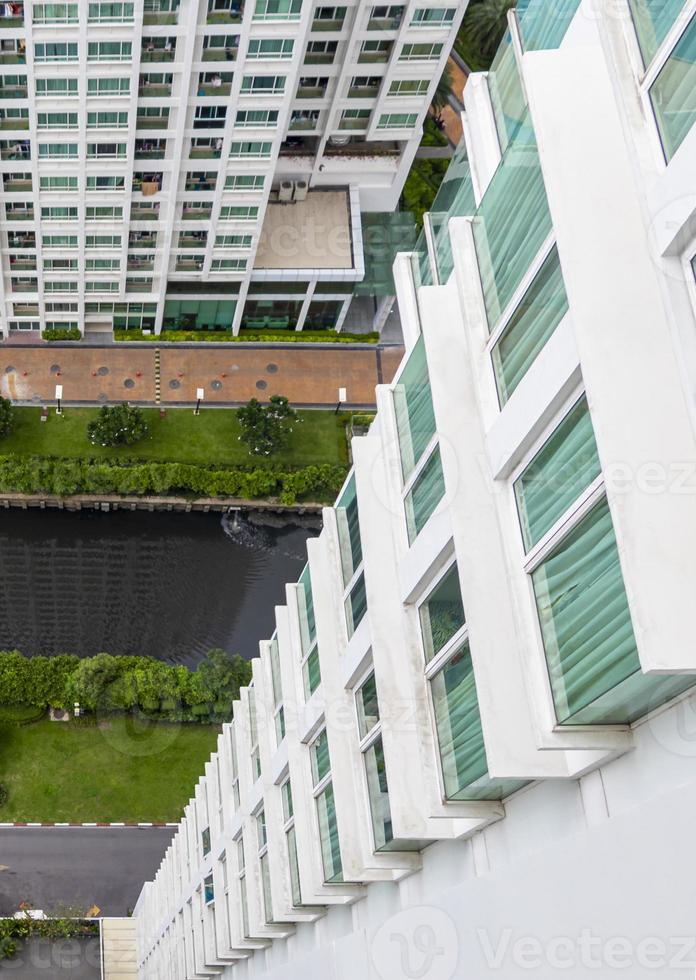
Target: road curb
(58,826)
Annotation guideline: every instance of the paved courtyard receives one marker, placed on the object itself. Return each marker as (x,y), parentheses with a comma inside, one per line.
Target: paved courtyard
(229,373)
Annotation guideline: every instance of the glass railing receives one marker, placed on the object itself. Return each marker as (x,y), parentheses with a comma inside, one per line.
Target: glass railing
(506,93)
(543,24)
(653,20)
(455,198)
(673,93)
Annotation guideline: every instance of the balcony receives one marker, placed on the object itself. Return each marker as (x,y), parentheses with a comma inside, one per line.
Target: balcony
(19,214)
(363,91)
(228,53)
(154,90)
(22,123)
(303,121)
(362,148)
(136,263)
(384,23)
(319,58)
(155,18)
(189,264)
(320,25)
(18,239)
(209,152)
(194,239)
(142,239)
(201,182)
(311,91)
(152,122)
(147,184)
(158,50)
(14,56)
(141,213)
(150,149)
(197,214)
(224,12)
(138,285)
(13,91)
(22,265)
(213,90)
(19,286)
(299,146)
(373,57)
(14,19)
(16,184)
(15,151)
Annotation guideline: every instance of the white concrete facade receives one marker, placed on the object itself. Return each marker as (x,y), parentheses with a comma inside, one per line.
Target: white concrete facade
(487,716)
(215,102)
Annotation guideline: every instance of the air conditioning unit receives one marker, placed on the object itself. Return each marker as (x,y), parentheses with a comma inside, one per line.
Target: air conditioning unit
(285,191)
(301,189)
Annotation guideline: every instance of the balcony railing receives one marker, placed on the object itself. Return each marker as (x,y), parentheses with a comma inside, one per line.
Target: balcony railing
(24,287)
(14,124)
(191,241)
(8,22)
(199,185)
(215,90)
(152,122)
(383,23)
(139,285)
(15,153)
(12,186)
(154,19)
(373,57)
(150,153)
(319,58)
(140,265)
(363,91)
(300,124)
(197,214)
(204,153)
(189,265)
(143,214)
(353,123)
(154,91)
(27,215)
(13,92)
(145,241)
(23,265)
(311,91)
(219,54)
(157,55)
(231,16)
(327,25)
(12,58)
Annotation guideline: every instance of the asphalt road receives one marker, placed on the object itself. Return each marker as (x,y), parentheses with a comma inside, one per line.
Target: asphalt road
(78,866)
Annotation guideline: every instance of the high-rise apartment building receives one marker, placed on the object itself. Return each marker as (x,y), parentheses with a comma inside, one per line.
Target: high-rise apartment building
(203,164)
(467,750)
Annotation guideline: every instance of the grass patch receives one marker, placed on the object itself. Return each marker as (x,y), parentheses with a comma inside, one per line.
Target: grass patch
(181,437)
(122,770)
(20,714)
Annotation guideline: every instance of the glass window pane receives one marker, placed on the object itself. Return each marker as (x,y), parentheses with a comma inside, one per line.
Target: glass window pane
(356,605)
(424,496)
(541,309)
(442,614)
(415,419)
(653,20)
(312,673)
(308,626)
(378,793)
(294,867)
(542,24)
(348,521)
(564,467)
(673,93)
(368,706)
(328,834)
(588,636)
(321,761)
(507,96)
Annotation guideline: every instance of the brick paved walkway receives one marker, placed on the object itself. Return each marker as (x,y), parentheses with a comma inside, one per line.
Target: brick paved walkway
(229,373)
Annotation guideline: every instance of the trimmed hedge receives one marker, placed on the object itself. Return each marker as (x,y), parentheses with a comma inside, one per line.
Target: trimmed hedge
(14,931)
(63,477)
(20,714)
(249,336)
(61,333)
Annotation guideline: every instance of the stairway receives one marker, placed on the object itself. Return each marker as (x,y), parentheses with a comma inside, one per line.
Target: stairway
(119,949)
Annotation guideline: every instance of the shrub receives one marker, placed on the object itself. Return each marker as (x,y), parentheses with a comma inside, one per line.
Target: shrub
(266,428)
(7,417)
(251,336)
(61,333)
(117,425)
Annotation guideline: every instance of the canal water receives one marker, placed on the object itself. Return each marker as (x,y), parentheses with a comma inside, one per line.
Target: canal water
(167,585)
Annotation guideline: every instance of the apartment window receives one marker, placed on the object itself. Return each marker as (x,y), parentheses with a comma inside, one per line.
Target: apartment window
(355,119)
(106,151)
(55,184)
(372,749)
(205,841)
(62,324)
(19,211)
(109,51)
(433,16)
(311,673)
(56,120)
(326,809)
(244,182)
(413,405)
(277,10)
(673,92)
(420,52)
(102,265)
(385,17)
(350,546)
(263,84)
(107,120)
(254,737)
(220,47)
(59,214)
(59,286)
(101,286)
(103,241)
(25,324)
(441,614)
(106,183)
(408,87)
(250,150)
(233,241)
(208,890)
(239,212)
(519,338)
(56,87)
(328,18)
(104,212)
(51,51)
(270,48)
(55,13)
(653,22)
(423,493)
(60,265)
(277,687)
(59,241)
(235,771)
(262,840)
(201,180)
(241,877)
(210,117)
(110,13)
(397,120)
(108,87)
(256,118)
(291,842)
(62,308)
(228,265)
(57,151)
(374,51)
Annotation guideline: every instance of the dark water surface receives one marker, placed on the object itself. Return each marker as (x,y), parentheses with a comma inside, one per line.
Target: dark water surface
(167,585)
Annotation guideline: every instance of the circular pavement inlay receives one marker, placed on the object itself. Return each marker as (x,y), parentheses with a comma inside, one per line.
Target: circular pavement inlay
(9,369)
(272,368)
(55,368)
(103,398)
(129,383)
(216,385)
(103,371)
(261,385)
(174,383)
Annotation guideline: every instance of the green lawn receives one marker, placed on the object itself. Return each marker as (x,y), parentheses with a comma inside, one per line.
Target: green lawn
(64,772)
(181,437)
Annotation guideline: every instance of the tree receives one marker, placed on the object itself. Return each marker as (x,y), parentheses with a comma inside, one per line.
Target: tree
(7,417)
(484,25)
(118,425)
(442,93)
(266,429)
